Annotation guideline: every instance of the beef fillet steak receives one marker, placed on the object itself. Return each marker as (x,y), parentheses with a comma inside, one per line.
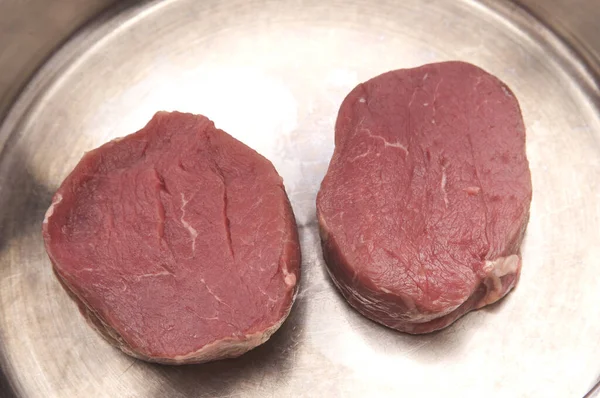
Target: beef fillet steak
(426,200)
(177,242)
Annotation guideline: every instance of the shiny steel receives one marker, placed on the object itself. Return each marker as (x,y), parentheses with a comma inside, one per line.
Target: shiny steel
(273,74)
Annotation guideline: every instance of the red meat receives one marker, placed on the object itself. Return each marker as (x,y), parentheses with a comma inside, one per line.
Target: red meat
(178,242)
(426,200)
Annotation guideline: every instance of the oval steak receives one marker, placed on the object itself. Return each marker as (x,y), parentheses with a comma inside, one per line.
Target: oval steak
(426,200)
(178,242)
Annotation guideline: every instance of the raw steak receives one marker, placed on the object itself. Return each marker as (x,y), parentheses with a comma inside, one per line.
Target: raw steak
(426,200)
(177,242)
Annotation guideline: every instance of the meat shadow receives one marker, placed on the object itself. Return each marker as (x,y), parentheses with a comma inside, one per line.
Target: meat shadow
(254,371)
(24,198)
(435,346)
(426,347)
(431,347)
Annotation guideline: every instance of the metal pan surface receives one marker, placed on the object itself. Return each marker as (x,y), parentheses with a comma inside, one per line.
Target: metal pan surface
(273,74)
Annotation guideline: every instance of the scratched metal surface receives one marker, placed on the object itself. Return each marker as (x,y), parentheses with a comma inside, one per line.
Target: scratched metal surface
(273,74)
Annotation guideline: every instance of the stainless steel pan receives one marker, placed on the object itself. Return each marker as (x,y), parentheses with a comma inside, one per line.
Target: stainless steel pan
(273,74)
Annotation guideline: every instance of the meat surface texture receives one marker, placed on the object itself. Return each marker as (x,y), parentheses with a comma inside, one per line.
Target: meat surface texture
(426,200)
(177,242)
